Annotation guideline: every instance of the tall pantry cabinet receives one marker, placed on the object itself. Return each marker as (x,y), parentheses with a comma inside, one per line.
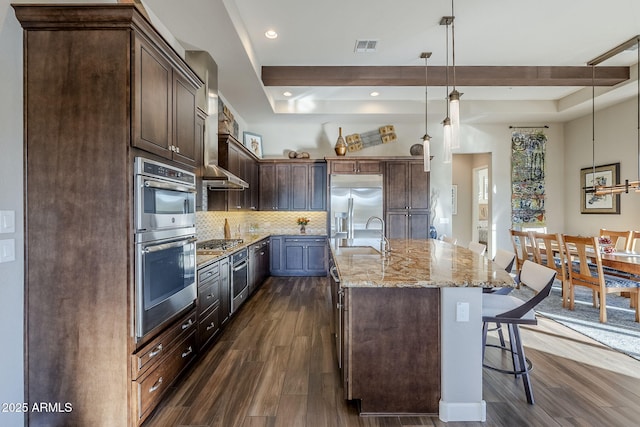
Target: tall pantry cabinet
(100,85)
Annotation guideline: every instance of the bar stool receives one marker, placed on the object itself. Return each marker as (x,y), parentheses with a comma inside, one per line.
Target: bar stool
(478,248)
(512,311)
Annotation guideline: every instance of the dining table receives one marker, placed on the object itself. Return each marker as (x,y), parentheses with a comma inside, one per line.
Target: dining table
(626,261)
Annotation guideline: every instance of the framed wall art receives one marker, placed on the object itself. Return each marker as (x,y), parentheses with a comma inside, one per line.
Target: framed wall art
(253,142)
(590,203)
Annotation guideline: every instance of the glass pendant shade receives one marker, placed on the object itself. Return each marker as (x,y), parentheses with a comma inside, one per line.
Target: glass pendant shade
(454,114)
(426,150)
(447,140)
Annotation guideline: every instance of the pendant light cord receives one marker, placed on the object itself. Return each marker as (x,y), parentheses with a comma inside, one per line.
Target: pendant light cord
(426,95)
(453,44)
(447,69)
(593,124)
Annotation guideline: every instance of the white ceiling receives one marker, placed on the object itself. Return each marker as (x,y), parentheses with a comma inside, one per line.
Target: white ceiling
(489,32)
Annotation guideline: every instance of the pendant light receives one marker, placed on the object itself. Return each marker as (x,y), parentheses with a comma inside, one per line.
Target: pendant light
(601,190)
(426,139)
(454,96)
(447,20)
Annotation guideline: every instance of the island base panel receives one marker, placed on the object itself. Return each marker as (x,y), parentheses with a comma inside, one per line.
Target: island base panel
(394,349)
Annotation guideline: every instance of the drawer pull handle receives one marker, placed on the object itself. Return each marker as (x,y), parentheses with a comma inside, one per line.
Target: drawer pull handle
(188,352)
(156,351)
(187,325)
(209,296)
(211,326)
(156,385)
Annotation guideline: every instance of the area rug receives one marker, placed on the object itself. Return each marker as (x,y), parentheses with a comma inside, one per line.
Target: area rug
(620,332)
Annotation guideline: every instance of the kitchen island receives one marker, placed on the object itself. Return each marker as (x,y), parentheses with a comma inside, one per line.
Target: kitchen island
(408,326)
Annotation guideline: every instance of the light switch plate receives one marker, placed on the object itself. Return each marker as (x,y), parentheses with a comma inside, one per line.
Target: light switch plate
(462,312)
(7,221)
(7,250)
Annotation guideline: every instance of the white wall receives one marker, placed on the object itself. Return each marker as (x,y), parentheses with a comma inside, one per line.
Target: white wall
(616,141)
(11,189)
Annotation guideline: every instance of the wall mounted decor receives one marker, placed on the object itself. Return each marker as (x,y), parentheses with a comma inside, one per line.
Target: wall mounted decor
(360,141)
(253,142)
(527,178)
(592,203)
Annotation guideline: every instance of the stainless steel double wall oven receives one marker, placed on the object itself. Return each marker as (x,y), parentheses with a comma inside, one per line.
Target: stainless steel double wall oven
(165,243)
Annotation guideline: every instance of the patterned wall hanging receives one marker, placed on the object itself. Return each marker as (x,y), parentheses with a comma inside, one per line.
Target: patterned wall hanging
(527,178)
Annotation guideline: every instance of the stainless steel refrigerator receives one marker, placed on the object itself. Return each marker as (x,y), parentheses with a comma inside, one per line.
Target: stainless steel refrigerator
(354,199)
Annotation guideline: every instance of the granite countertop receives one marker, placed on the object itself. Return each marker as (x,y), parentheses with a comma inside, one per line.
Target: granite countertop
(247,240)
(414,263)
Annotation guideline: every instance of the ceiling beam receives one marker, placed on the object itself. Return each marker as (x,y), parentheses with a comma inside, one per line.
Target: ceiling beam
(465,76)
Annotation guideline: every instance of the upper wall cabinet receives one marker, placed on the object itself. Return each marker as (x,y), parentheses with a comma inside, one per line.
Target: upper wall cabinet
(164,106)
(293,185)
(355,166)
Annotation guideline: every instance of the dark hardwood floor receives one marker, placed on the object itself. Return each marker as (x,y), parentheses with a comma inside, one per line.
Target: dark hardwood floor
(274,365)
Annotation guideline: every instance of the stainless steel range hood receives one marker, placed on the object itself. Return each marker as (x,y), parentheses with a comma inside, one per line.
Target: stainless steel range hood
(217,178)
(213,176)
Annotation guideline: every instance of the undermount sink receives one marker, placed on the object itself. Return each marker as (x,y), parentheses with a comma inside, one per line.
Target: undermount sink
(357,250)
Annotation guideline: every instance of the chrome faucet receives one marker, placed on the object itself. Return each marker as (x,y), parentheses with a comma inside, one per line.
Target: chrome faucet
(384,242)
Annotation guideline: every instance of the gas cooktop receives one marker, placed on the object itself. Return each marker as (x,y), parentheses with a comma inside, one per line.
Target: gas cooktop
(215,246)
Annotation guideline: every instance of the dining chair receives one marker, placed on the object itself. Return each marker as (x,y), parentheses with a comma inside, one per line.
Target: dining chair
(631,242)
(512,311)
(478,248)
(522,247)
(586,270)
(448,239)
(615,236)
(548,251)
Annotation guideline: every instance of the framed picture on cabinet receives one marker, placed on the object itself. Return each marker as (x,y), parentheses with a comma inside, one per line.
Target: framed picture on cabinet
(590,203)
(253,142)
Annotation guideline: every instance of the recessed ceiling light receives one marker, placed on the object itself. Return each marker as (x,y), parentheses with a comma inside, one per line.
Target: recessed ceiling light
(271,34)
(374,93)
(287,93)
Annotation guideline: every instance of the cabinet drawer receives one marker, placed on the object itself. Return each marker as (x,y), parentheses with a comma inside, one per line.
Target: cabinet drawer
(149,389)
(208,295)
(209,272)
(208,326)
(152,353)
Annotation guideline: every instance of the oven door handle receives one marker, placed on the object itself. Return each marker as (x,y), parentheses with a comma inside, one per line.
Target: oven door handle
(164,246)
(240,266)
(167,186)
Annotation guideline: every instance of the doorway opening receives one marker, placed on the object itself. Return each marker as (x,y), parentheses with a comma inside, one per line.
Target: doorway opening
(471,218)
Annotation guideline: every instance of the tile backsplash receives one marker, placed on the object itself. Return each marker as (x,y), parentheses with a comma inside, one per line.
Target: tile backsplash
(210,225)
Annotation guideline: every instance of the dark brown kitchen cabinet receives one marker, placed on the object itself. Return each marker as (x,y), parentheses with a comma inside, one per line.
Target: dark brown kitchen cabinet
(406,192)
(235,158)
(164,113)
(275,186)
(114,90)
(208,303)
(293,186)
(162,361)
(355,166)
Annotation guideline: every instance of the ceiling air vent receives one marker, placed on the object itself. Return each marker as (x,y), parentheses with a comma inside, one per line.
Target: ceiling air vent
(365,46)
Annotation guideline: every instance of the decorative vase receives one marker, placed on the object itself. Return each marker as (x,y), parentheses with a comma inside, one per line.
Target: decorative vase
(303,229)
(341,146)
(433,233)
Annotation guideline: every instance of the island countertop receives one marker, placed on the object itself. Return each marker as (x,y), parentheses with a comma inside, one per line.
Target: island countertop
(414,263)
